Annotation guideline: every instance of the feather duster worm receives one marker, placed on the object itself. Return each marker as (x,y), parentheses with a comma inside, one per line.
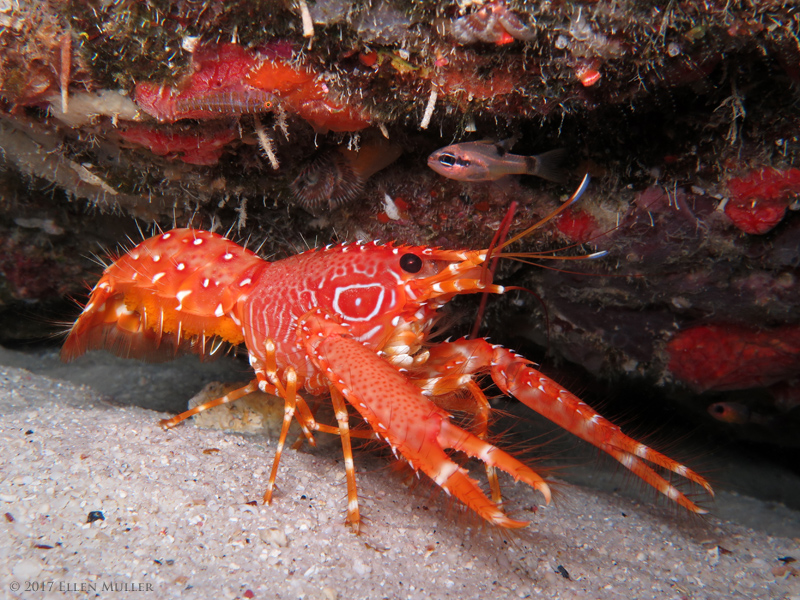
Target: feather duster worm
(337,175)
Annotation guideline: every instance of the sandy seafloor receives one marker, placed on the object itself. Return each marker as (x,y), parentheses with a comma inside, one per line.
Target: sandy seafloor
(180,522)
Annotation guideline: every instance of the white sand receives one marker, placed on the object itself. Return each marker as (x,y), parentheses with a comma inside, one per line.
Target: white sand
(178,522)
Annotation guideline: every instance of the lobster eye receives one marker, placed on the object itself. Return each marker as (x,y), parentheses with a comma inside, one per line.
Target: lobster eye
(410,263)
(448,160)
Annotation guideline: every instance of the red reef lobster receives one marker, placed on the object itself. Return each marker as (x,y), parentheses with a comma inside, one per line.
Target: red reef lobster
(351,321)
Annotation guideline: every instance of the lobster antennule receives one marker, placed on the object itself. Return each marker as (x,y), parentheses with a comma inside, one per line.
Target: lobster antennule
(524,257)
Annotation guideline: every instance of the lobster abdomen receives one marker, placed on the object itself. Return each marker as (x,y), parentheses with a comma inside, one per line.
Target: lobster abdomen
(167,296)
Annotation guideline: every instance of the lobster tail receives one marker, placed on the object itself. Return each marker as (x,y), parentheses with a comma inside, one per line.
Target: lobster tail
(173,294)
(110,326)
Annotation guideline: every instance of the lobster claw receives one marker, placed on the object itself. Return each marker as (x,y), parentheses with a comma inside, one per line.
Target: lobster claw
(410,422)
(515,376)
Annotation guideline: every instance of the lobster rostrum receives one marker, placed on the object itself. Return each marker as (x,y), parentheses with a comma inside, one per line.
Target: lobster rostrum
(350,321)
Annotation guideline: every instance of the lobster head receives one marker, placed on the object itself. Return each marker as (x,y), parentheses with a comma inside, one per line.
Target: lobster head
(383,290)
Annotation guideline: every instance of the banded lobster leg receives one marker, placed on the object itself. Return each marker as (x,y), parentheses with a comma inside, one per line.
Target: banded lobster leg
(305,418)
(515,376)
(295,406)
(401,414)
(268,381)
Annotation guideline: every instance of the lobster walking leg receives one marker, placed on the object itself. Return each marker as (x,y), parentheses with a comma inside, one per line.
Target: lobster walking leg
(515,376)
(288,391)
(226,399)
(296,406)
(343,418)
(398,411)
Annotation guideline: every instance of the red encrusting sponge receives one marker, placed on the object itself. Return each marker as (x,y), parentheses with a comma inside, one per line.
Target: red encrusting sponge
(758,201)
(730,357)
(578,225)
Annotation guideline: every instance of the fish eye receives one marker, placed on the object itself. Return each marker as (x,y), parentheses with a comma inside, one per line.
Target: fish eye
(448,160)
(410,263)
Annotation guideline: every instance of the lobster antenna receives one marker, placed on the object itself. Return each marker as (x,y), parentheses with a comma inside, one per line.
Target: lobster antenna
(570,201)
(494,252)
(490,264)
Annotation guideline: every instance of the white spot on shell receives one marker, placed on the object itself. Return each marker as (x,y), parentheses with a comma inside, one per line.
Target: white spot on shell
(180,296)
(122,310)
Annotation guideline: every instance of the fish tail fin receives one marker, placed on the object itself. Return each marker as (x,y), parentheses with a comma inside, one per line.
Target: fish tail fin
(548,165)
